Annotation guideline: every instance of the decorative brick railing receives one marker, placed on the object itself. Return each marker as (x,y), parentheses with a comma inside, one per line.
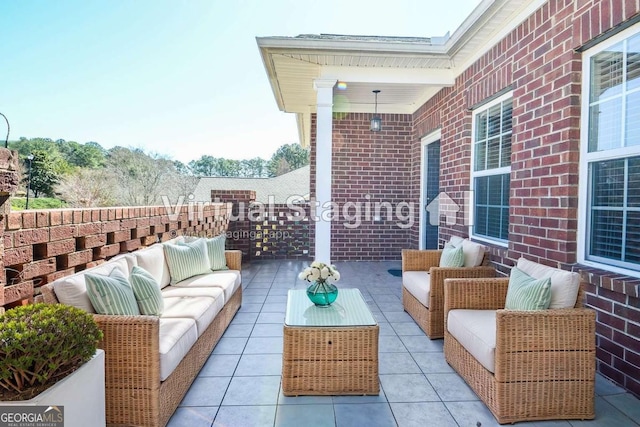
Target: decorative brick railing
(282,235)
(43,245)
(267,231)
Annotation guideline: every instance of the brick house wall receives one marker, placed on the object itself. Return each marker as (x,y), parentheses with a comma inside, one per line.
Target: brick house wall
(370,170)
(539,62)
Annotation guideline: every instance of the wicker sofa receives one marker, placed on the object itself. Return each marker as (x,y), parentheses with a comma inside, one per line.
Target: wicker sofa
(423,282)
(151,361)
(524,365)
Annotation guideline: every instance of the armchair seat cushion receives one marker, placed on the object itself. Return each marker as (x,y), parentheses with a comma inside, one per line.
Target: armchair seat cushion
(418,283)
(475,330)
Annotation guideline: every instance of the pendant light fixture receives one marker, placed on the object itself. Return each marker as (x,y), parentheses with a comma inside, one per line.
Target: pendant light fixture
(376,121)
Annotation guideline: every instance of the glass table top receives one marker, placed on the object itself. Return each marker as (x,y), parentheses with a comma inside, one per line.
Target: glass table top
(349,309)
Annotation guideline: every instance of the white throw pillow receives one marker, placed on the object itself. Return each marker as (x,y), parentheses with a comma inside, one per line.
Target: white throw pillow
(473,253)
(564,284)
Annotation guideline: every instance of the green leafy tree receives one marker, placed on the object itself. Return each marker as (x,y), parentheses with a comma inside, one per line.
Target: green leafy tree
(90,155)
(45,173)
(204,166)
(287,158)
(254,168)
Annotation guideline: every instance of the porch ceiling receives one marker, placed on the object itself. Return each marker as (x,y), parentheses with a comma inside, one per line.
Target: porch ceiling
(407,70)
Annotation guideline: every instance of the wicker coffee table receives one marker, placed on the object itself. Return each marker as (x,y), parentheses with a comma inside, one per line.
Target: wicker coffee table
(330,350)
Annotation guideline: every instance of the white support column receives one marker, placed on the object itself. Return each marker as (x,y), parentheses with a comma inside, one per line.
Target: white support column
(324,111)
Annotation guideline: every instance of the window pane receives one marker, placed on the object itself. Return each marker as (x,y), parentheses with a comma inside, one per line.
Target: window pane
(606,233)
(604,125)
(607,71)
(507,112)
(506,151)
(481,126)
(481,190)
(481,220)
(633,183)
(494,227)
(607,187)
(495,195)
(633,62)
(481,156)
(506,185)
(632,242)
(492,206)
(494,121)
(632,131)
(493,153)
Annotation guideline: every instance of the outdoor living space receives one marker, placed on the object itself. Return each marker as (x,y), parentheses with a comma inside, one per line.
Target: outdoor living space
(240,385)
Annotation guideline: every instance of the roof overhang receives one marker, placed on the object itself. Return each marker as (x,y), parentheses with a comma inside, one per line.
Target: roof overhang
(407,70)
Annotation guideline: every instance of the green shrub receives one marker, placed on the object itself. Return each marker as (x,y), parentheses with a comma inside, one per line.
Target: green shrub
(40,344)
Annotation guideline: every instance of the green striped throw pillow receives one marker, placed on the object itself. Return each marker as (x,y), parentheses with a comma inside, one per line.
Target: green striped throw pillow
(111,294)
(187,259)
(216,247)
(147,292)
(526,293)
(452,256)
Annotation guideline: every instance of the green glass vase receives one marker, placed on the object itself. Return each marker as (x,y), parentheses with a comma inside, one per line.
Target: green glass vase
(322,294)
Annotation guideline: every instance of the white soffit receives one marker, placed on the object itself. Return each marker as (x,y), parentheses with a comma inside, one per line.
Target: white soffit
(407,70)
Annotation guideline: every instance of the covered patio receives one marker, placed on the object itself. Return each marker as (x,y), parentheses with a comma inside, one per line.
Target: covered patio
(418,388)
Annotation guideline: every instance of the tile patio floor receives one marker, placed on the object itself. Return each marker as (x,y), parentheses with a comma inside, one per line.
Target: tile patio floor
(239,386)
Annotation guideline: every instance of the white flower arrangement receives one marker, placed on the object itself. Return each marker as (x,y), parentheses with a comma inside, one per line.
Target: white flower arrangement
(320,272)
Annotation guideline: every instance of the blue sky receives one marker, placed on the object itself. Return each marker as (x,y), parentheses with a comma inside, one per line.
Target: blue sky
(181,78)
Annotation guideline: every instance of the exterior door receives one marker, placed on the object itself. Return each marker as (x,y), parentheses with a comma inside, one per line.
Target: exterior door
(431,190)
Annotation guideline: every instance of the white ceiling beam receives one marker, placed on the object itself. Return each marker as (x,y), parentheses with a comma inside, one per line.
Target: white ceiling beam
(388,75)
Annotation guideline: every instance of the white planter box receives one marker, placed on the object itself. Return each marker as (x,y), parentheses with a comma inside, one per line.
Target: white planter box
(81,394)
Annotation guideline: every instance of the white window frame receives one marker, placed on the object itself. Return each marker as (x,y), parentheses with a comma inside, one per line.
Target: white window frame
(475,174)
(586,157)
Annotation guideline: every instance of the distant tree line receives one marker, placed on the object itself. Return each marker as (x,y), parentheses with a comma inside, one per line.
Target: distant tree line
(87,175)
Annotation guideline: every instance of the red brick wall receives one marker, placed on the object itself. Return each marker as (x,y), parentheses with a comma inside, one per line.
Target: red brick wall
(539,62)
(43,245)
(239,224)
(368,169)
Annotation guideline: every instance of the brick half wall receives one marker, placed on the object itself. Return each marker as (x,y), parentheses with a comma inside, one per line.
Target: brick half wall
(41,246)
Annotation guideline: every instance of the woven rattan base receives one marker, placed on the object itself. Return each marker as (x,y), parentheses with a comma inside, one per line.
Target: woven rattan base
(330,361)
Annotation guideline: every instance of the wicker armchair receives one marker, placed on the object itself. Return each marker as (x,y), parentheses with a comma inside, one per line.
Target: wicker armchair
(430,317)
(544,361)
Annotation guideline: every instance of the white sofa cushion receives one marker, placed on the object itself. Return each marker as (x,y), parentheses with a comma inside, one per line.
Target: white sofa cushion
(475,330)
(227,280)
(72,290)
(152,260)
(473,253)
(418,283)
(564,284)
(211,292)
(201,309)
(177,336)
